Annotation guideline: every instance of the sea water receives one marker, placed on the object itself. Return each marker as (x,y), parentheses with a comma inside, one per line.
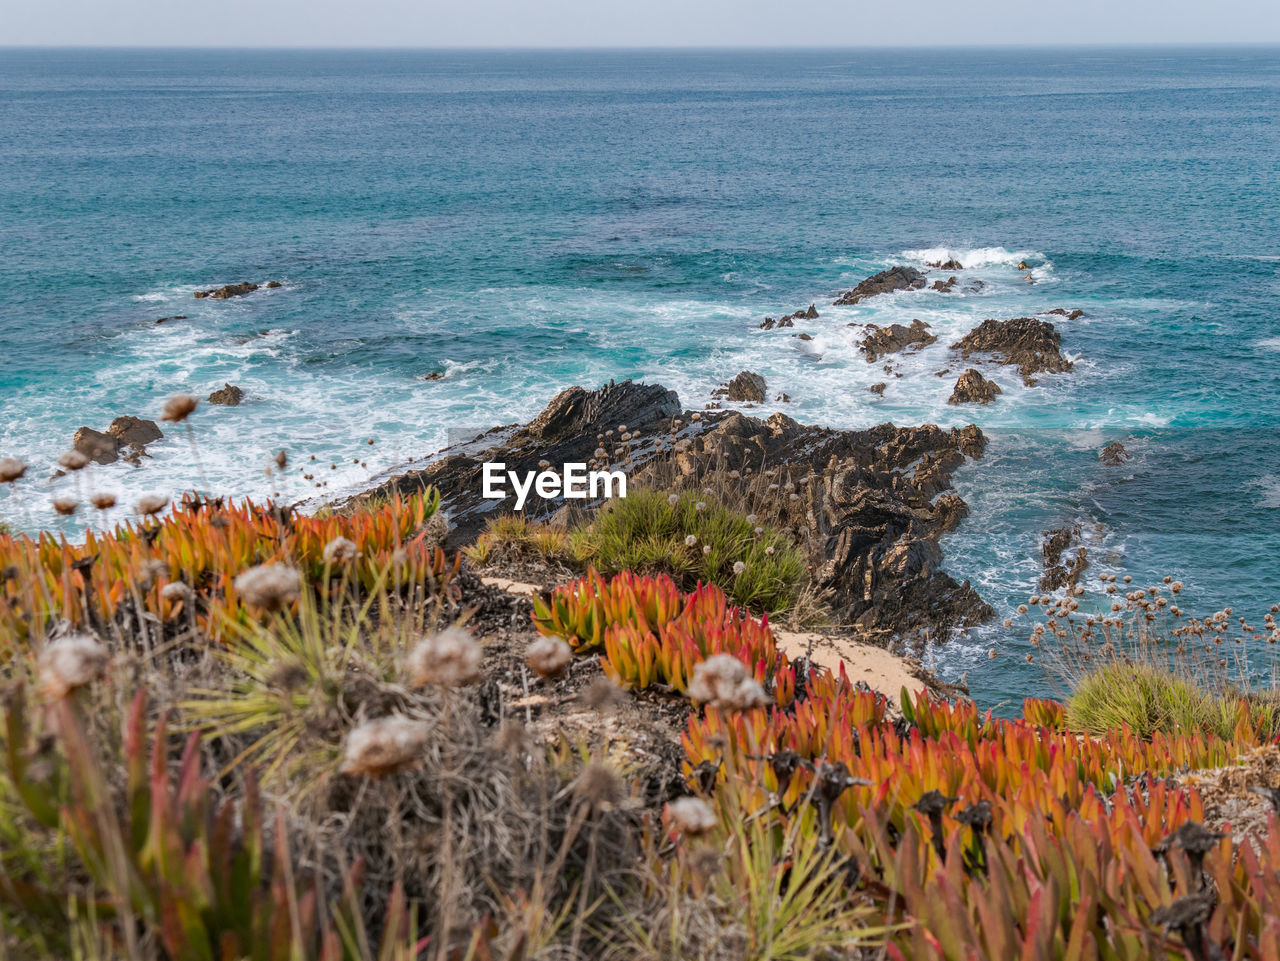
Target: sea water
(461,235)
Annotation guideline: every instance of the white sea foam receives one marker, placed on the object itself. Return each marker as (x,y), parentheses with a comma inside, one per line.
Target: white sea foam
(975,257)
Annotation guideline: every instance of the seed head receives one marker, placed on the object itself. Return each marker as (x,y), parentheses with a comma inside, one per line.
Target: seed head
(11,469)
(340,551)
(706,548)
(673,499)
(690,541)
(103,500)
(380,747)
(724,682)
(739,567)
(599,787)
(700,506)
(65,506)
(151,504)
(282,459)
(269,587)
(549,656)
(73,460)
(71,662)
(176,591)
(691,816)
(450,658)
(178,408)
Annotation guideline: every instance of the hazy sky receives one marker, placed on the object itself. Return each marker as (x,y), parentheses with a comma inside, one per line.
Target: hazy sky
(575,23)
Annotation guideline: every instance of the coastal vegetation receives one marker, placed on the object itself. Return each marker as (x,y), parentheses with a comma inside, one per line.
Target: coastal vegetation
(235,731)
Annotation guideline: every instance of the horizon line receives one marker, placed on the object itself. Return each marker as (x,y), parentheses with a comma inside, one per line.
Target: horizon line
(660,48)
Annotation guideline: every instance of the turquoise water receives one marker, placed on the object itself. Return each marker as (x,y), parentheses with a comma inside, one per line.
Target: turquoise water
(520,222)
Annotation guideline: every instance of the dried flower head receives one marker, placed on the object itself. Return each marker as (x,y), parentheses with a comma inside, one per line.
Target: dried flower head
(690,541)
(549,656)
(724,682)
(706,548)
(73,460)
(71,662)
(673,499)
(103,500)
(691,816)
(176,591)
(282,459)
(388,744)
(340,551)
(65,506)
(599,786)
(449,658)
(151,504)
(739,567)
(11,469)
(269,587)
(178,408)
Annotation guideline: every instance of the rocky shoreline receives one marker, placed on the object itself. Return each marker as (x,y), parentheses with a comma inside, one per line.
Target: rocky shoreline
(868,507)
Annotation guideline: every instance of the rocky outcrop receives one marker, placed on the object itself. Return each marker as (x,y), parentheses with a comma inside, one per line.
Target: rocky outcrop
(789,320)
(229,395)
(162,320)
(887,281)
(273,284)
(1073,314)
(1114,454)
(1023,265)
(945,285)
(1031,345)
(1065,558)
(869,505)
(224,293)
(878,389)
(746,388)
(951,264)
(881,341)
(973,388)
(127,437)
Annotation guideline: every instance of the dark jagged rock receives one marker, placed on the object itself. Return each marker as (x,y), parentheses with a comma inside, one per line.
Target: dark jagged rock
(126,437)
(134,431)
(782,398)
(951,264)
(881,341)
(887,281)
(161,320)
(878,389)
(224,293)
(871,505)
(1023,265)
(1059,569)
(98,447)
(273,284)
(1032,345)
(788,320)
(803,336)
(746,388)
(1114,454)
(228,395)
(945,285)
(973,388)
(1069,314)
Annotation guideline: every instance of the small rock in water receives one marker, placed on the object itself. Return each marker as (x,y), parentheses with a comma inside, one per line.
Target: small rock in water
(1114,454)
(229,395)
(223,293)
(973,388)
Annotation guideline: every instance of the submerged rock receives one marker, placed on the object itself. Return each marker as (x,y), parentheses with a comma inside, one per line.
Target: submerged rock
(788,320)
(1114,454)
(881,341)
(878,389)
(887,281)
(223,293)
(228,395)
(1060,570)
(951,264)
(869,505)
(1069,314)
(945,285)
(973,388)
(1032,345)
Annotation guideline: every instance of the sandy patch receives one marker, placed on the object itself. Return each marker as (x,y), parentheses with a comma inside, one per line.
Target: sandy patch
(884,672)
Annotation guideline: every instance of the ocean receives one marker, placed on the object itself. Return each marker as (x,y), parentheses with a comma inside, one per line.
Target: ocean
(459,236)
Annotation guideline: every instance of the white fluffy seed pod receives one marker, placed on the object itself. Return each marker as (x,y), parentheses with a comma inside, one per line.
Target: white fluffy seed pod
(176,591)
(724,682)
(383,746)
(549,656)
(151,504)
(269,586)
(340,550)
(450,658)
(71,662)
(691,816)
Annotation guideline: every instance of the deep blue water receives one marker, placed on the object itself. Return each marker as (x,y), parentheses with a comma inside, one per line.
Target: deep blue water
(524,221)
